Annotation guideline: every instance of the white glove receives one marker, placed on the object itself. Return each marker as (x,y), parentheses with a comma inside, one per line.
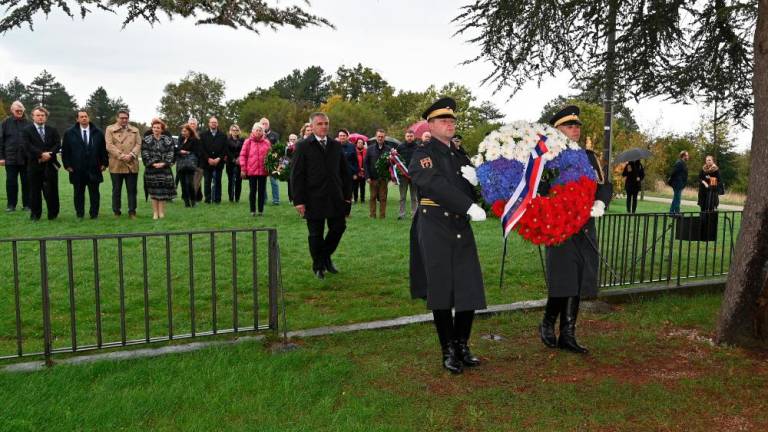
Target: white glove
(469,173)
(476,213)
(598,209)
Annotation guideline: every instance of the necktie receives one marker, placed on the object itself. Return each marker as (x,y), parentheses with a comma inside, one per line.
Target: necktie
(41,131)
(322,143)
(85,137)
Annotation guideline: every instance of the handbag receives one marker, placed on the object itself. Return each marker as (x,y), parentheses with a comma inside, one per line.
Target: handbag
(186,163)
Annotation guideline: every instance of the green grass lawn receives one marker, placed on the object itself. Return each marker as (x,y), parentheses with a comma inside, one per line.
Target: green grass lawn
(650,368)
(373,259)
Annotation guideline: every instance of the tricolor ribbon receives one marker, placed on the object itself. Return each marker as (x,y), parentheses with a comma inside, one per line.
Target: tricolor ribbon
(395,165)
(526,189)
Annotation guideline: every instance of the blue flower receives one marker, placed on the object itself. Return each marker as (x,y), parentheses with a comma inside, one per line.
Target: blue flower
(499,178)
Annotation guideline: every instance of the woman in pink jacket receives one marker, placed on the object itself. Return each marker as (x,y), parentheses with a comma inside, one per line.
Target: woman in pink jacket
(253,157)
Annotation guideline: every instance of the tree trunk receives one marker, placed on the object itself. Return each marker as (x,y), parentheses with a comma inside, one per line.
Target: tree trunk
(743,313)
(610,83)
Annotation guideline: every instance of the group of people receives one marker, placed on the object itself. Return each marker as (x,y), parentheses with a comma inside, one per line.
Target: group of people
(29,150)
(710,185)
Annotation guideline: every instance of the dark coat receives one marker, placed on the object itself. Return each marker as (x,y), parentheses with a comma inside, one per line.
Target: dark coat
(11,140)
(634,173)
(234,145)
(85,161)
(272,136)
(709,197)
(444,266)
(34,147)
(372,155)
(679,176)
(406,151)
(572,267)
(350,155)
(320,179)
(212,147)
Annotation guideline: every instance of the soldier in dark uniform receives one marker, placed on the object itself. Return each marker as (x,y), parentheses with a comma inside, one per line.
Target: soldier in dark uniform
(444,267)
(572,266)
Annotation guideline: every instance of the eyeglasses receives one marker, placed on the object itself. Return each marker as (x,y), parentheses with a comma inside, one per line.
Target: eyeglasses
(122,118)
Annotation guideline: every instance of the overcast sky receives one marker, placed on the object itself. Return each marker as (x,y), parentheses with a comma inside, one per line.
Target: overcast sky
(410,43)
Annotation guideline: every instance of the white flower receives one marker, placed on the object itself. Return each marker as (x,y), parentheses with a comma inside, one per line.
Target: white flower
(477,160)
(508,150)
(492,152)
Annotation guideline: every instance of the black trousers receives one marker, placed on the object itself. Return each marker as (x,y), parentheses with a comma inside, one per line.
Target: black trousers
(212,183)
(94,198)
(187,181)
(131,180)
(321,246)
(234,182)
(43,182)
(257,184)
(13,175)
(631,202)
(358,189)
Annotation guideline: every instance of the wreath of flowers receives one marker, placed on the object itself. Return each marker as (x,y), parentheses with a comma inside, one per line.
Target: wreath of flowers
(277,163)
(382,166)
(562,204)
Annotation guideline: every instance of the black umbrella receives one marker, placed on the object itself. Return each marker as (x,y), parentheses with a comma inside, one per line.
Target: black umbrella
(631,155)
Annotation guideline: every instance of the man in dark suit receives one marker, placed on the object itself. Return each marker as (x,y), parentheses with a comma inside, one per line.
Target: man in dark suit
(84,154)
(322,192)
(214,146)
(678,180)
(41,143)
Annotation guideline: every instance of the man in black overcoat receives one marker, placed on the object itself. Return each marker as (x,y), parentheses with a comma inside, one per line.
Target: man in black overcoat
(214,151)
(84,155)
(322,192)
(12,157)
(572,266)
(445,268)
(41,144)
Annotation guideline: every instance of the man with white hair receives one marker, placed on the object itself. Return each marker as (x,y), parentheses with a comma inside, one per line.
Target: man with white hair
(12,157)
(273,138)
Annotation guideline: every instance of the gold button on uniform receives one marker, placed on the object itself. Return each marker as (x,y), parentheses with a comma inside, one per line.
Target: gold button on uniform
(458,236)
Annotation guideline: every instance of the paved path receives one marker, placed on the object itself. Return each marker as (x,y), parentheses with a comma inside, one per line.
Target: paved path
(691,203)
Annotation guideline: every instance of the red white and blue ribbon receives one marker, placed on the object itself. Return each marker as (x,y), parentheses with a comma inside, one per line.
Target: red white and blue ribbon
(395,165)
(526,189)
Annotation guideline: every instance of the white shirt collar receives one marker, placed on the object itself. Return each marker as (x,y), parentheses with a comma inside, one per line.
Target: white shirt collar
(321,139)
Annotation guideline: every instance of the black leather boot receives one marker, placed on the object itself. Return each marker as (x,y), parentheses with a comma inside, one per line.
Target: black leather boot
(451,360)
(547,326)
(567,339)
(465,355)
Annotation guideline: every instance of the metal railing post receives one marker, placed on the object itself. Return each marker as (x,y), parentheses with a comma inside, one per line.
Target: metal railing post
(273,274)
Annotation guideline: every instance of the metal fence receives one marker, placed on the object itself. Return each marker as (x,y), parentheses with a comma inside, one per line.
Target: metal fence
(77,293)
(663,248)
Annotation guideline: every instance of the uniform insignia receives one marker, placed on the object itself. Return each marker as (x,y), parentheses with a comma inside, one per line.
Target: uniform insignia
(426,162)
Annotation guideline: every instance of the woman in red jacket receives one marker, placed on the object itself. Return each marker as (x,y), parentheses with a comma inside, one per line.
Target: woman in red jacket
(252,165)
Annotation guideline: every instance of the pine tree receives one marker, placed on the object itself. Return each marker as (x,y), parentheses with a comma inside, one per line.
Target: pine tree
(102,109)
(45,91)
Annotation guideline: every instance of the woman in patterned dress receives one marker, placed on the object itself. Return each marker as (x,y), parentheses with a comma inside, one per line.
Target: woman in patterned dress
(157,152)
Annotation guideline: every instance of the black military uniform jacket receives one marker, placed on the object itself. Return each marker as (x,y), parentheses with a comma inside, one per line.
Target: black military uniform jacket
(444,268)
(573,265)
